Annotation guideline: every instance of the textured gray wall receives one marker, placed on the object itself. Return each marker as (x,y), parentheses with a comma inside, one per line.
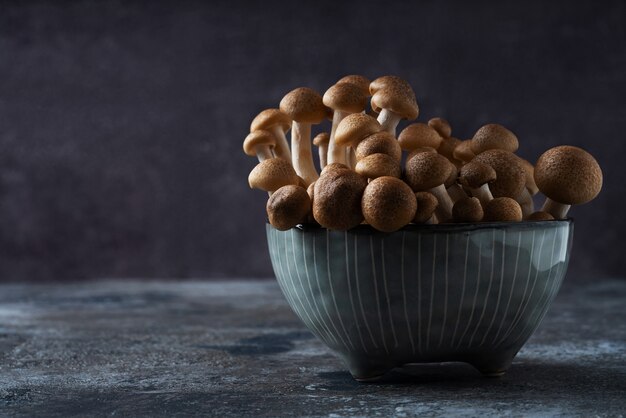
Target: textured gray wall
(121,124)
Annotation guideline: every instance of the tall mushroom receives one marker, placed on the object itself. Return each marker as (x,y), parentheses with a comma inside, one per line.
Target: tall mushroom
(394,100)
(567,175)
(428,171)
(321,142)
(260,144)
(305,107)
(278,123)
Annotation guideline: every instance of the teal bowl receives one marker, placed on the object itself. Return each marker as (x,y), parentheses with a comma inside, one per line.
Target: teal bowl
(427,293)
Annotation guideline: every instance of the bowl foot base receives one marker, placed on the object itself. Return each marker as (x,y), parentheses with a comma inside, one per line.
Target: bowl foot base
(492,364)
(363,370)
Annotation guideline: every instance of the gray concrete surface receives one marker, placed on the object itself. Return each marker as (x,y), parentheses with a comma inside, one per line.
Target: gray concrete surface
(234,349)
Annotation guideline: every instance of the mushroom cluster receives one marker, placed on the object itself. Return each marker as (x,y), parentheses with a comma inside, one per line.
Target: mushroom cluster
(371,174)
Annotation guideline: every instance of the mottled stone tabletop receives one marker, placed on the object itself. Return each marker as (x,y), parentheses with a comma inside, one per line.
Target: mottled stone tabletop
(234,349)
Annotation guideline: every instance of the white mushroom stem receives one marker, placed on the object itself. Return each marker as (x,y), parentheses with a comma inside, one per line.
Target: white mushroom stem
(456,193)
(323,152)
(556,209)
(336,153)
(263,152)
(444,209)
(482,193)
(282,146)
(432,220)
(302,157)
(389,120)
(525,200)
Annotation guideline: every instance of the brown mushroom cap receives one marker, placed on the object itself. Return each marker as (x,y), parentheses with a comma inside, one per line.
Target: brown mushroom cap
(442,127)
(304,105)
(272,174)
(419,135)
(569,175)
(388,204)
(287,207)
(321,139)
(345,97)
(426,205)
(355,127)
(474,174)
(335,167)
(467,209)
(378,165)
(426,170)
(269,118)
(447,147)
(463,151)
(530,177)
(540,216)
(510,174)
(380,142)
(337,203)
(417,150)
(453,176)
(503,209)
(362,82)
(394,94)
(310,190)
(494,136)
(258,138)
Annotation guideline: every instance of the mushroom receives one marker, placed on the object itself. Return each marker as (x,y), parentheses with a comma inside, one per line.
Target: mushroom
(476,176)
(503,209)
(510,174)
(417,150)
(540,216)
(259,143)
(272,174)
(525,198)
(463,151)
(288,207)
(344,99)
(394,99)
(362,82)
(452,187)
(321,142)
(388,203)
(380,142)
(428,172)
(442,127)
(278,123)
(426,205)
(338,193)
(567,175)
(447,147)
(418,135)
(494,136)
(353,129)
(304,106)
(378,165)
(467,209)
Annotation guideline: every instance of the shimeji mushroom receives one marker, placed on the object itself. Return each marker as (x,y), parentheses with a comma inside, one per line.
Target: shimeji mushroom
(525,199)
(272,174)
(540,216)
(417,150)
(455,191)
(476,176)
(426,205)
(354,128)
(388,203)
(321,142)
(380,142)
(394,100)
(494,136)
(503,209)
(463,151)
(378,165)
(567,175)
(337,202)
(259,144)
(442,127)
(428,172)
(510,174)
(288,207)
(305,107)
(360,81)
(447,147)
(467,209)
(418,135)
(343,99)
(278,123)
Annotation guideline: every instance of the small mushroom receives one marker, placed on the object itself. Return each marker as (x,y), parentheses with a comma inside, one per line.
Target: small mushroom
(447,147)
(380,142)
(378,165)
(503,209)
(304,106)
(335,167)
(476,177)
(288,207)
(455,191)
(259,144)
(463,151)
(540,216)
(278,123)
(272,174)
(394,100)
(467,209)
(567,175)
(321,142)
(426,205)
(338,193)
(442,127)
(343,99)
(494,136)
(419,135)
(353,129)
(510,174)
(428,172)
(388,203)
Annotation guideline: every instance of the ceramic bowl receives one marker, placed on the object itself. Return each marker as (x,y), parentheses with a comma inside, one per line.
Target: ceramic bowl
(428,293)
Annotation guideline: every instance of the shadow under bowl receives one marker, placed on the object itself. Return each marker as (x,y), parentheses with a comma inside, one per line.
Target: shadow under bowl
(427,293)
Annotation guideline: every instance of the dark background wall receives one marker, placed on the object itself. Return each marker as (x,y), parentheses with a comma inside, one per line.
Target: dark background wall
(121,123)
